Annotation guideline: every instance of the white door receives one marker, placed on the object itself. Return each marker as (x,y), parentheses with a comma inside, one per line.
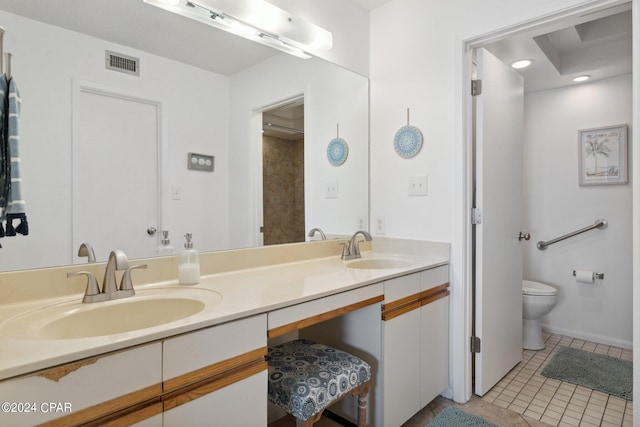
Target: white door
(115,173)
(498,252)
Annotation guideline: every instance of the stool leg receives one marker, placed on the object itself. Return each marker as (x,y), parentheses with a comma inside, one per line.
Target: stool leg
(304,423)
(362,404)
(311,421)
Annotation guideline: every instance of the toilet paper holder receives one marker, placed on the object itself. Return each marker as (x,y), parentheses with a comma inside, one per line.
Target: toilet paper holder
(595,275)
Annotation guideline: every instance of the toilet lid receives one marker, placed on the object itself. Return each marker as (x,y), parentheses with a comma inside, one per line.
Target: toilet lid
(535,288)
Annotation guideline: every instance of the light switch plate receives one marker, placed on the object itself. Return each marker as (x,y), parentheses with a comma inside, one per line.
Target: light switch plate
(176,193)
(331,190)
(200,162)
(418,185)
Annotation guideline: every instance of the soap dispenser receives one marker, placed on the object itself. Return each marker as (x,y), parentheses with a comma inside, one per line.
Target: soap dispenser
(188,264)
(165,247)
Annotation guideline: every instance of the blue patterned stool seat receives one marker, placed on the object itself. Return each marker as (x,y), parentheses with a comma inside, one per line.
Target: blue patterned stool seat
(306,377)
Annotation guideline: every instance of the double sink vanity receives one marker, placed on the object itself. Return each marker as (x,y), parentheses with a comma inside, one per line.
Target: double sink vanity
(195,355)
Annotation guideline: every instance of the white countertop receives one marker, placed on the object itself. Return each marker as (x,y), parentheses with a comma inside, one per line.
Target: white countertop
(244,292)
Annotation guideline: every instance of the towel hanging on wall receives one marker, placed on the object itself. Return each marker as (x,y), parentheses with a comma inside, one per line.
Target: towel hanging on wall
(12,205)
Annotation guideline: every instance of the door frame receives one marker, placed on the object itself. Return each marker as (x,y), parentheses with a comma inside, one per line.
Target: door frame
(462,239)
(257,180)
(80,86)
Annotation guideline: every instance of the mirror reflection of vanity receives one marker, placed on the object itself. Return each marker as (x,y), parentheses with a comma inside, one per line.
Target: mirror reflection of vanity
(105,153)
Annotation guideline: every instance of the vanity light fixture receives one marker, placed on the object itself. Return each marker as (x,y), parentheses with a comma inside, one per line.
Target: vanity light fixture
(521,63)
(255,20)
(583,78)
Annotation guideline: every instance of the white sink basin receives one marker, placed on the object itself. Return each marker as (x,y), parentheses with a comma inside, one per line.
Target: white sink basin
(378,263)
(75,319)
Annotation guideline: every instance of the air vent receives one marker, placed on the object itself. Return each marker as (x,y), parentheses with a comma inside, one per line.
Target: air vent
(122,63)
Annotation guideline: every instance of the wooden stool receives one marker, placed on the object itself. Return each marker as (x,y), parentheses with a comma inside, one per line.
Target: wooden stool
(306,377)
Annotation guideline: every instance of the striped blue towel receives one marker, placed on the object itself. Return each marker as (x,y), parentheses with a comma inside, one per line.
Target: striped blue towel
(11,201)
(5,159)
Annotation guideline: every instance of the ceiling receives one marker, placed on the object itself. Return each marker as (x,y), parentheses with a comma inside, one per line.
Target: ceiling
(285,121)
(371,4)
(136,24)
(597,44)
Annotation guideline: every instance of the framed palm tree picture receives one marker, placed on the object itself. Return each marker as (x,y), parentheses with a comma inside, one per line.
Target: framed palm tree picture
(603,155)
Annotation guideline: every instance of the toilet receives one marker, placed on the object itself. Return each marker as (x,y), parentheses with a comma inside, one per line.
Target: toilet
(537,300)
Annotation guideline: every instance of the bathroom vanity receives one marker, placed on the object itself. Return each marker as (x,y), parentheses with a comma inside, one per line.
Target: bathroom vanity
(390,307)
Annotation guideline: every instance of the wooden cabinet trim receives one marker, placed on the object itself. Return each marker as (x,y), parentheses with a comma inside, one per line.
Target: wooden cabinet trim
(412,302)
(130,415)
(150,401)
(434,297)
(294,326)
(214,370)
(123,403)
(211,384)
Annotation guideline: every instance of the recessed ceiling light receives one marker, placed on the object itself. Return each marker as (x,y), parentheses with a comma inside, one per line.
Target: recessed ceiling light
(579,79)
(521,63)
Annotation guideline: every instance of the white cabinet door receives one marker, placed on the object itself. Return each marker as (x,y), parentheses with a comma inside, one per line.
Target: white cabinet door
(415,342)
(434,350)
(241,404)
(401,352)
(401,358)
(434,336)
(80,387)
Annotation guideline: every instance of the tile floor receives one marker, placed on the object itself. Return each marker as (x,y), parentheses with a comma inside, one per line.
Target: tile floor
(525,398)
(525,391)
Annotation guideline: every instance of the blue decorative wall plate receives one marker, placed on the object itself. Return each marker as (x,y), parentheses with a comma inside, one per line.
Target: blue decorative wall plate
(408,141)
(337,151)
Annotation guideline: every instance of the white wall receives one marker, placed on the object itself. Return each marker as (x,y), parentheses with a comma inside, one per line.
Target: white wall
(332,95)
(554,204)
(417,61)
(348,23)
(46,61)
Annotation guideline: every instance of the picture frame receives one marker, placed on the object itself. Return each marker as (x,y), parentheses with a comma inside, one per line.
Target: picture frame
(603,155)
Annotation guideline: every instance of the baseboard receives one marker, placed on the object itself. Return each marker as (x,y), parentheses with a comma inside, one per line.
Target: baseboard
(448,393)
(601,339)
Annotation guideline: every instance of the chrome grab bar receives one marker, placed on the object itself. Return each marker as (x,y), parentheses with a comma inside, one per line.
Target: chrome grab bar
(600,223)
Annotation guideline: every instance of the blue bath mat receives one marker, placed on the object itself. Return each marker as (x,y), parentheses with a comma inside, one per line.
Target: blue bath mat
(453,417)
(599,372)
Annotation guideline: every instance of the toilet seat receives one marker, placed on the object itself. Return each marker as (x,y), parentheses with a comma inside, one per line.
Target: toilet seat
(535,288)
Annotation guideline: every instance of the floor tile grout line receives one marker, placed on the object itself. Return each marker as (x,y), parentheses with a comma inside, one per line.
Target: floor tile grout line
(528,373)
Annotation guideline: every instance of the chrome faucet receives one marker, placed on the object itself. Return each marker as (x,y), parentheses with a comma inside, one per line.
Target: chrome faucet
(313,231)
(117,261)
(110,289)
(351,249)
(86,249)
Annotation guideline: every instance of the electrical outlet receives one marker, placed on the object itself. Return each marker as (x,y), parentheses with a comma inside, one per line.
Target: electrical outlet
(361,222)
(379,225)
(418,185)
(331,190)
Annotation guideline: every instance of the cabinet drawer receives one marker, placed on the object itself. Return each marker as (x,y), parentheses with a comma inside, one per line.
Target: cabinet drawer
(309,313)
(434,277)
(89,388)
(408,293)
(233,343)
(401,287)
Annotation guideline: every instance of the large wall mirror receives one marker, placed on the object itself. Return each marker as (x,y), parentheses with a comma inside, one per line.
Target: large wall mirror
(105,153)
